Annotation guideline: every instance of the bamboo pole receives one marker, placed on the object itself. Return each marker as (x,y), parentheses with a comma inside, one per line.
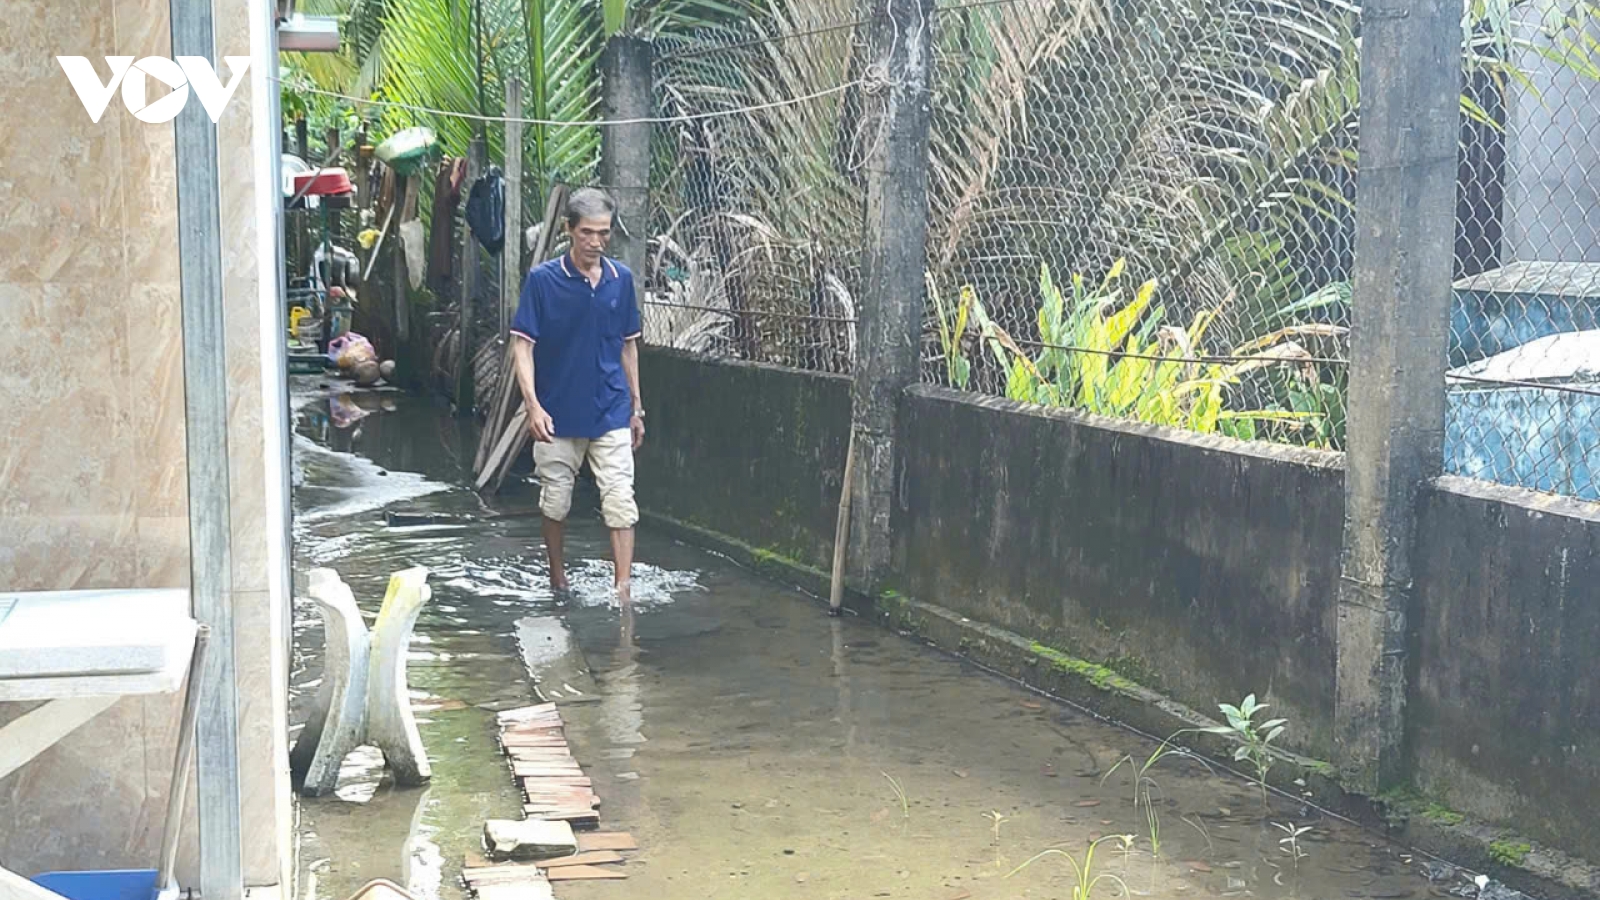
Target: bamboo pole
(841,530)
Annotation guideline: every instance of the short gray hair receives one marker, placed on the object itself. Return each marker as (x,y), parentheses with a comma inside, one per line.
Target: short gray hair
(586,203)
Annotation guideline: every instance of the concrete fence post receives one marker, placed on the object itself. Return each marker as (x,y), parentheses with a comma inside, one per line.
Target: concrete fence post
(511,253)
(1405,239)
(894,257)
(625,69)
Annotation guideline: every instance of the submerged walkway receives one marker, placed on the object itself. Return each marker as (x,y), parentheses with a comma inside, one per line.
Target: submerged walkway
(754,747)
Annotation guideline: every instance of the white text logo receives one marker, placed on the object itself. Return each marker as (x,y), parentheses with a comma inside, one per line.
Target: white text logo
(180,75)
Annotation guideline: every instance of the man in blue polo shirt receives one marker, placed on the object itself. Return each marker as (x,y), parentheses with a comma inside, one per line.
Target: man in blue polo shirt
(576,348)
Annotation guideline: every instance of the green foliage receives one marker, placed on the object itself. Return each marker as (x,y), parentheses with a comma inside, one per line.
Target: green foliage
(1084,874)
(1439,814)
(1109,354)
(1509,852)
(1255,738)
(952,329)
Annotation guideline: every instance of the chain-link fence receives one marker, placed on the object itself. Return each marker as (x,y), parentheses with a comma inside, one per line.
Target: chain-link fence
(1146,209)
(1523,406)
(1143,209)
(758,233)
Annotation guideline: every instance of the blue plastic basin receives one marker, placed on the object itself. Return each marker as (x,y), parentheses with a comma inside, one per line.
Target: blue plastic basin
(112,884)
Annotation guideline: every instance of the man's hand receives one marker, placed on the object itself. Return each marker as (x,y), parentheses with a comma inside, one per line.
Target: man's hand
(542,426)
(636,427)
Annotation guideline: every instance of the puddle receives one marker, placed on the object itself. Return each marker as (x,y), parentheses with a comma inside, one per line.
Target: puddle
(753,746)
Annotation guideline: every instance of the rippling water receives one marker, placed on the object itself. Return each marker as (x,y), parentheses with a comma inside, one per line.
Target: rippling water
(754,747)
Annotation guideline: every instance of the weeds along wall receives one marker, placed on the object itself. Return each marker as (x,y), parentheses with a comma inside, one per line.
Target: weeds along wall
(1200,566)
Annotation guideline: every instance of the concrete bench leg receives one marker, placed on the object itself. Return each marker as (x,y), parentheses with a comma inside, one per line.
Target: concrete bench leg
(363,697)
(390,725)
(338,721)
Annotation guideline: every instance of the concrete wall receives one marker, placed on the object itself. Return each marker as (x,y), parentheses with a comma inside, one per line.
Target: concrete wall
(92,477)
(1505,711)
(753,451)
(1201,566)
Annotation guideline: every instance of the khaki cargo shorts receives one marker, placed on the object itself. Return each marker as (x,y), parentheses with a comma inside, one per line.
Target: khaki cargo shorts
(610,458)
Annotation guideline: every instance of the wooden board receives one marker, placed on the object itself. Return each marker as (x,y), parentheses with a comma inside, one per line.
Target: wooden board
(516,890)
(562,781)
(576,817)
(534,788)
(592,858)
(549,764)
(535,713)
(606,840)
(480,871)
(505,451)
(585,873)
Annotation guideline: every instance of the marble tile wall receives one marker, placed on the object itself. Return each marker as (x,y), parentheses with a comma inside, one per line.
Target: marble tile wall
(92,476)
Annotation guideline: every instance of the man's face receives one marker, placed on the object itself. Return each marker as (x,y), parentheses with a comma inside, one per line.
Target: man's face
(590,237)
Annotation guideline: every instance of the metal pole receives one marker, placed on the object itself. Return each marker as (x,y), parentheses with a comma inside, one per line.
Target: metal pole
(205,382)
(172,826)
(1405,246)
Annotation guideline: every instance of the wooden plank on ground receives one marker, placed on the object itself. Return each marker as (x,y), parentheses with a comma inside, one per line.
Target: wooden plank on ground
(545,768)
(574,817)
(606,840)
(515,890)
(528,714)
(593,858)
(585,873)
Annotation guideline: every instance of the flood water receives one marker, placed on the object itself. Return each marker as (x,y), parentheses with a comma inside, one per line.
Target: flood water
(754,747)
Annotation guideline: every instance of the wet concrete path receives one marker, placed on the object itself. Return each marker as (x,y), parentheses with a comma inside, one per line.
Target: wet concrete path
(755,748)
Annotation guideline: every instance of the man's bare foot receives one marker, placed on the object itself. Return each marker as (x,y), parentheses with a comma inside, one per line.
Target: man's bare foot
(625,592)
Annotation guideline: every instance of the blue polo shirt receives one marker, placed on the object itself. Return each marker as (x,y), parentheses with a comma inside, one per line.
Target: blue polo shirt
(578,330)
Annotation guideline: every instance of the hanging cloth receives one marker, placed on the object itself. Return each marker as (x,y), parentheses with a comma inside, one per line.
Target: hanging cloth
(486,210)
(442,233)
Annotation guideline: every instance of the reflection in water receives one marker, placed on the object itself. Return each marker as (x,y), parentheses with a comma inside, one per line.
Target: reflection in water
(621,714)
(771,727)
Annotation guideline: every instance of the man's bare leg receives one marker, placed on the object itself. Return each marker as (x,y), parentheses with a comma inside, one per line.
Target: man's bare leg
(554,539)
(622,557)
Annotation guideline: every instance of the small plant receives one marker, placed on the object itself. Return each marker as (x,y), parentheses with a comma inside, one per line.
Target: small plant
(1086,877)
(1440,814)
(900,794)
(1290,842)
(952,329)
(1509,853)
(1143,784)
(995,817)
(1127,841)
(1255,737)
